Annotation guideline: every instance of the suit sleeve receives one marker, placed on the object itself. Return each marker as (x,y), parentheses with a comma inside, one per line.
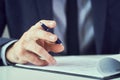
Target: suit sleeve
(2,16)
(2,25)
(3,41)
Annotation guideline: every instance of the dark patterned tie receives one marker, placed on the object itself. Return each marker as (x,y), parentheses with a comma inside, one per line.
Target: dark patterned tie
(72,27)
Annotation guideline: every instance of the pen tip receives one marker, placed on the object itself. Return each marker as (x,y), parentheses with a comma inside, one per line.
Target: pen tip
(58,41)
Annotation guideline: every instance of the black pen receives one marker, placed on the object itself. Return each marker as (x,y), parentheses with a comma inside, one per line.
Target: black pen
(48,30)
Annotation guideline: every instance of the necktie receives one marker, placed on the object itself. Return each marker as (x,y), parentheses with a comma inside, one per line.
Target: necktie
(72,27)
(86,27)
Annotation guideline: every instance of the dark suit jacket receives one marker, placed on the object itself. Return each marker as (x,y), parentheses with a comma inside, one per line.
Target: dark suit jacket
(20,15)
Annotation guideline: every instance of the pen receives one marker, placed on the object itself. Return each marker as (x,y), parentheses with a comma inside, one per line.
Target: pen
(48,30)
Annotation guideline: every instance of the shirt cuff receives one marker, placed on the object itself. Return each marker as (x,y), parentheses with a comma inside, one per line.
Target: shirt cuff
(3,51)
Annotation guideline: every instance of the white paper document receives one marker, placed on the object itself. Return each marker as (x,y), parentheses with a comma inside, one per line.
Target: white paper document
(84,66)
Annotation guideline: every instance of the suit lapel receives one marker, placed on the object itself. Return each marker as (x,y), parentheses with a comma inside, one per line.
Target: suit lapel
(99,15)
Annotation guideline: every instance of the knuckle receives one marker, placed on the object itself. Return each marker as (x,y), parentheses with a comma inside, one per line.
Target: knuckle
(50,36)
(47,34)
(25,36)
(25,33)
(43,34)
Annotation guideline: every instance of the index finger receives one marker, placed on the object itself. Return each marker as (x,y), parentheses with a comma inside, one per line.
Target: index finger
(48,23)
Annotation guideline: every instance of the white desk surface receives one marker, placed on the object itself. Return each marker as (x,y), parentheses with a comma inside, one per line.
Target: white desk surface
(13,73)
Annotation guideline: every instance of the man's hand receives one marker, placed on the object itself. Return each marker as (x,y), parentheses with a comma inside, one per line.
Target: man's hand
(33,44)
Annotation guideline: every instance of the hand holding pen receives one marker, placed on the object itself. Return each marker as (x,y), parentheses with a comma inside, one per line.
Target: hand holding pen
(58,41)
(34,45)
